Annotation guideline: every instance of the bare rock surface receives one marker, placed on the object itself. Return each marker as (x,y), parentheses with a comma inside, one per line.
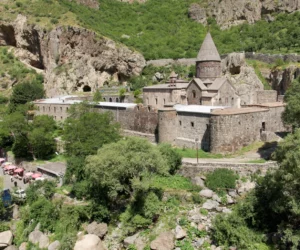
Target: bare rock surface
(54,245)
(37,237)
(210,204)
(130,240)
(23,246)
(207,193)
(233,12)
(12,248)
(179,233)
(242,77)
(165,241)
(89,242)
(97,229)
(73,59)
(6,238)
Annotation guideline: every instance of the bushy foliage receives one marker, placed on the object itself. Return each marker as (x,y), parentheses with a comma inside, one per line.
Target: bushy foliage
(24,93)
(39,189)
(291,114)
(232,230)
(156,34)
(172,156)
(221,179)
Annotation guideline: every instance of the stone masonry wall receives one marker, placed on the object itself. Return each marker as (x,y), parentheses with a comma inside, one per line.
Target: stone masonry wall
(167,119)
(232,132)
(140,119)
(191,126)
(243,169)
(208,70)
(266,96)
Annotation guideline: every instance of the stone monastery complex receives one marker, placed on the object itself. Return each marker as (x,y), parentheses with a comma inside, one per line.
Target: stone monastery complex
(207,110)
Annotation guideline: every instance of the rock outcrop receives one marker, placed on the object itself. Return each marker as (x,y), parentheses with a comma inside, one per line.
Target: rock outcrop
(97,229)
(37,237)
(73,59)
(233,12)
(281,79)
(6,238)
(242,77)
(165,241)
(89,242)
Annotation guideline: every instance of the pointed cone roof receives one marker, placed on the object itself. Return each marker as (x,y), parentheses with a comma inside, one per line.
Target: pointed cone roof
(208,50)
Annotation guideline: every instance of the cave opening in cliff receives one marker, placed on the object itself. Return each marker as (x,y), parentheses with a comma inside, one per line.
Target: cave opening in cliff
(87,88)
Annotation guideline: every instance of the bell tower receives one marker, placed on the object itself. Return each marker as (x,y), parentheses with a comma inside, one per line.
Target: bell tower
(208,63)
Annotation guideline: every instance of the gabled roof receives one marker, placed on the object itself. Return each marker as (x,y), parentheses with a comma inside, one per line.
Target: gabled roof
(217,83)
(199,83)
(208,50)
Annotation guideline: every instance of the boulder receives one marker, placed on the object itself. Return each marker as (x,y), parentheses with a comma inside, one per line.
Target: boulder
(6,238)
(89,242)
(23,246)
(130,240)
(197,180)
(37,237)
(97,229)
(165,241)
(16,212)
(207,193)
(11,248)
(232,193)
(229,199)
(54,245)
(140,243)
(215,197)
(245,187)
(210,204)
(201,227)
(179,233)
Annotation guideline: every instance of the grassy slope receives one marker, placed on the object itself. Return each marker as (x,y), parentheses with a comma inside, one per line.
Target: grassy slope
(13,71)
(159,29)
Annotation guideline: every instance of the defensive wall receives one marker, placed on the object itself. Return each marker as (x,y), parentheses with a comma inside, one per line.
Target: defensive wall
(191,170)
(232,130)
(216,129)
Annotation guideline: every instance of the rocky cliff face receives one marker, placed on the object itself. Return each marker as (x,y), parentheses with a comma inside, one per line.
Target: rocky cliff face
(242,77)
(233,12)
(73,59)
(281,79)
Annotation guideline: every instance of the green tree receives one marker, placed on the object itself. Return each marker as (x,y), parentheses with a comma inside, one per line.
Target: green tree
(124,167)
(25,92)
(291,114)
(44,121)
(42,143)
(97,96)
(173,157)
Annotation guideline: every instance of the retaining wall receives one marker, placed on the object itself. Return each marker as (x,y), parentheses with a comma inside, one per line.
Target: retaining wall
(242,169)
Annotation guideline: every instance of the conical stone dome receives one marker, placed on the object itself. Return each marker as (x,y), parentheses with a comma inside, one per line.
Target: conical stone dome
(208,50)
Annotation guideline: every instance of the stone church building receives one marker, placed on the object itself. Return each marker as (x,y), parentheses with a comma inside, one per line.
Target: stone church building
(209,87)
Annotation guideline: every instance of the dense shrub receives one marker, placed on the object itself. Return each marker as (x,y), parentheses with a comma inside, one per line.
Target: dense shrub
(172,156)
(221,179)
(232,230)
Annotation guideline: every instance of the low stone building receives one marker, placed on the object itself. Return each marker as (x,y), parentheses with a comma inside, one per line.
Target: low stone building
(218,129)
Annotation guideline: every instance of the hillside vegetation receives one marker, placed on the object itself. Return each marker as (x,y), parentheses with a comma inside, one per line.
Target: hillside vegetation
(160,29)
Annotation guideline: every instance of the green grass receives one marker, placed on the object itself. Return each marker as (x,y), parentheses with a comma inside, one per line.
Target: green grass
(192,153)
(174,182)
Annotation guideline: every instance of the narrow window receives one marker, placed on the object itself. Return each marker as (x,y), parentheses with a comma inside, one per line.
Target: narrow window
(156,101)
(148,101)
(263,126)
(49,108)
(61,117)
(179,123)
(192,124)
(54,109)
(117,99)
(43,108)
(200,101)
(67,108)
(60,109)
(164,101)
(104,99)
(194,94)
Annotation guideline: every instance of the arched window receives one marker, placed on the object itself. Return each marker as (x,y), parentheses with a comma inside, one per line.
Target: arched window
(156,101)
(194,93)
(117,99)
(110,99)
